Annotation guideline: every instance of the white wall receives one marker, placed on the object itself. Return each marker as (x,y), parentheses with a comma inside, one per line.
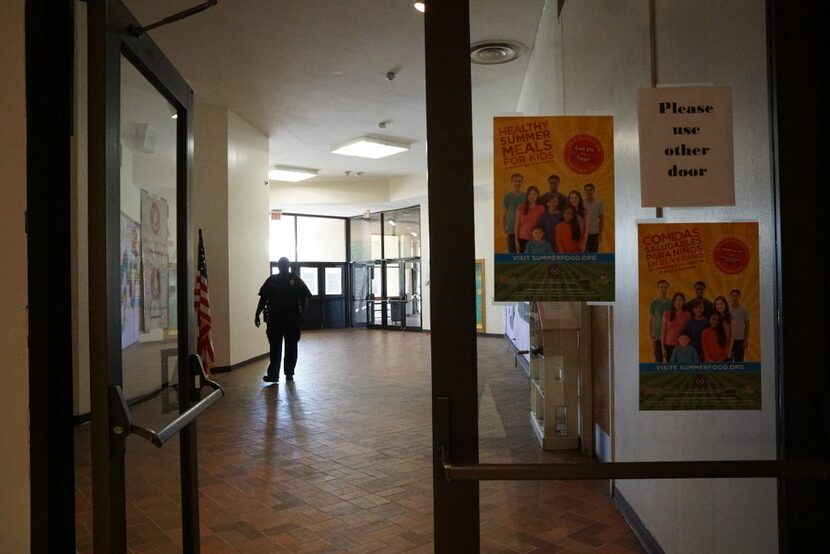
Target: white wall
(313,194)
(210,213)
(592,61)
(14,394)
(248,217)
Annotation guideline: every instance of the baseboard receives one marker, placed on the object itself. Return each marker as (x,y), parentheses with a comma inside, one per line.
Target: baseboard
(648,541)
(229,368)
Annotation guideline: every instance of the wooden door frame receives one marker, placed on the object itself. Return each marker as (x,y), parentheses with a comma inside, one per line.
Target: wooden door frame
(50,28)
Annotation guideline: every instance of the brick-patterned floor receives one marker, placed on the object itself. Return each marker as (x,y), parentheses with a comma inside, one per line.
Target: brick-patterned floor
(339,461)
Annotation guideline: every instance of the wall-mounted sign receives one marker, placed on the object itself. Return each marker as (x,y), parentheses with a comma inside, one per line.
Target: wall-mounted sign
(686,151)
(554,208)
(699,298)
(154,261)
(481,313)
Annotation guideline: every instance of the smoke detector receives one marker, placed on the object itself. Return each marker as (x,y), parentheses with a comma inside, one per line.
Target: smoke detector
(492,52)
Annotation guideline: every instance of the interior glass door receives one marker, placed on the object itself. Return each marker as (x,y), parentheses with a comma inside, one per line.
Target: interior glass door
(411,277)
(395,294)
(142,324)
(376,299)
(360,295)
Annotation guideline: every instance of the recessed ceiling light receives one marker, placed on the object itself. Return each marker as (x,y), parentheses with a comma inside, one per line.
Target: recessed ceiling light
(420,6)
(291,174)
(372,147)
(492,52)
(413,233)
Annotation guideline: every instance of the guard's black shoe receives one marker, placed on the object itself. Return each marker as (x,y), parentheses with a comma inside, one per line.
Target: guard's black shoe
(289,377)
(270,379)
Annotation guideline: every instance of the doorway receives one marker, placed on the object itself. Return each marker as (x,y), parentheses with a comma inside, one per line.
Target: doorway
(386,270)
(327,283)
(794,444)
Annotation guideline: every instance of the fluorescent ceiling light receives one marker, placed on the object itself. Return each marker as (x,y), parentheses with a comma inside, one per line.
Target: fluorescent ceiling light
(420,6)
(392,223)
(373,147)
(291,174)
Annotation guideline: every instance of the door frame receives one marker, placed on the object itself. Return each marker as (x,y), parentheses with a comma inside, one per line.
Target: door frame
(49,78)
(110,37)
(793,35)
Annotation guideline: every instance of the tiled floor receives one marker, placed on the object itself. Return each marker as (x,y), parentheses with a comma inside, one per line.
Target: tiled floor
(339,461)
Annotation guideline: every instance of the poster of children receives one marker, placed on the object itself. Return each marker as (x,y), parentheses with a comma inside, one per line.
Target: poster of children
(130,281)
(699,299)
(554,208)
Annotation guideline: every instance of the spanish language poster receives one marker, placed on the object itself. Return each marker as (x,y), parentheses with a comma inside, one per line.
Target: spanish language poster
(699,301)
(554,208)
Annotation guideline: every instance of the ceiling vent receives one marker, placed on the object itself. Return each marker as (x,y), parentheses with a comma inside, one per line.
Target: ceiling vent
(492,52)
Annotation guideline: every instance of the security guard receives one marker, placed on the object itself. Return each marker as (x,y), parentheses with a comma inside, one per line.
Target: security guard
(284,298)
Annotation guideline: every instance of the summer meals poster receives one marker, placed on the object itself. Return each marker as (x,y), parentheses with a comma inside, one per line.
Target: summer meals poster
(554,208)
(699,292)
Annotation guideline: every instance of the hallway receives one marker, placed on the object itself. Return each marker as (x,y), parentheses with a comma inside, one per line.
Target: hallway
(339,460)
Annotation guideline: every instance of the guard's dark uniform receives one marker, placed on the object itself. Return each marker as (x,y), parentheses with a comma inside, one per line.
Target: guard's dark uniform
(285,295)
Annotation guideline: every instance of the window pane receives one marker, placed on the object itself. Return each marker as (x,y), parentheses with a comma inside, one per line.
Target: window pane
(393,283)
(282,238)
(374,275)
(334,280)
(390,244)
(402,240)
(321,239)
(365,238)
(309,275)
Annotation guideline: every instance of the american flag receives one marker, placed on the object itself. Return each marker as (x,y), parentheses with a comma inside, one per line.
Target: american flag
(204,344)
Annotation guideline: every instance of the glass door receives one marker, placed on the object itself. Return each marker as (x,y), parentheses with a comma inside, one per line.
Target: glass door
(141,275)
(310,273)
(411,286)
(327,305)
(360,295)
(376,299)
(743,460)
(395,299)
(334,295)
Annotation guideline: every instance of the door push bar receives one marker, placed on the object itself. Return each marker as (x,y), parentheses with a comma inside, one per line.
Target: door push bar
(802,469)
(123,424)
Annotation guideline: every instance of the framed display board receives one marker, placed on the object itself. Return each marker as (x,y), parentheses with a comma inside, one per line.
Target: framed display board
(481,316)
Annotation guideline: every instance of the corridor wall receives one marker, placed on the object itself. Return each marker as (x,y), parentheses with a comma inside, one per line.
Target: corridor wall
(248,219)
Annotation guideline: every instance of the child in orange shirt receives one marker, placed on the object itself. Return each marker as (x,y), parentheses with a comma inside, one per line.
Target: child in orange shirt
(715,342)
(569,233)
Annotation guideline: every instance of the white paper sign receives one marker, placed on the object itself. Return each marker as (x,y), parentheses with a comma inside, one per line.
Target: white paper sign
(686,150)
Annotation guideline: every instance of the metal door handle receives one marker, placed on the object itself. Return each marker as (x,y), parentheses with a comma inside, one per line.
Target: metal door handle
(124,424)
